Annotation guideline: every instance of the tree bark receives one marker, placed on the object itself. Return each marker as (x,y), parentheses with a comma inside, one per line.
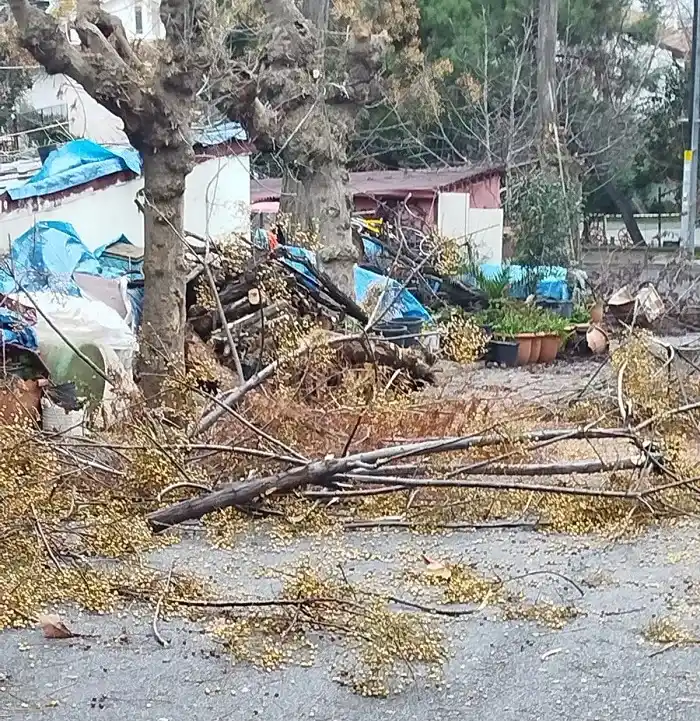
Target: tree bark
(624,205)
(289,194)
(323,199)
(546,76)
(165,273)
(324,209)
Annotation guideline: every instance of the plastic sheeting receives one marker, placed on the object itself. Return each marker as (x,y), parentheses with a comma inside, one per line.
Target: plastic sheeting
(90,325)
(373,250)
(551,281)
(47,255)
(14,330)
(220,133)
(400,302)
(84,321)
(75,163)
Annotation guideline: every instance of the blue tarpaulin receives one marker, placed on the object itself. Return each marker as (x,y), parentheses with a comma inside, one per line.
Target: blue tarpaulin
(551,280)
(401,301)
(47,255)
(219,133)
(15,331)
(81,161)
(74,163)
(373,250)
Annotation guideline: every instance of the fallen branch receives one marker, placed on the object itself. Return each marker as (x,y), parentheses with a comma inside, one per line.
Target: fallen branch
(215,603)
(497,486)
(320,472)
(156,612)
(536,469)
(451,526)
(221,603)
(222,317)
(388,354)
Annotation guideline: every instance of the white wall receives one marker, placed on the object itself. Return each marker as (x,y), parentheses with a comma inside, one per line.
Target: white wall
(125,10)
(481,227)
(486,233)
(86,117)
(217,201)
(218,196)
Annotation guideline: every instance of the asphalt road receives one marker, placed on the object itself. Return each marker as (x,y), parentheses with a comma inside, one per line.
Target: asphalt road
(598,667)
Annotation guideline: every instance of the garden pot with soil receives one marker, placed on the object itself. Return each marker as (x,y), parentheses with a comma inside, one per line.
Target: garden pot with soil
(503,352)
(524,341)
(550,344)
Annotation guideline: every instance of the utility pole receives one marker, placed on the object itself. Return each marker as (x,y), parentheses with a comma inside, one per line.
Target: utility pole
(690,156)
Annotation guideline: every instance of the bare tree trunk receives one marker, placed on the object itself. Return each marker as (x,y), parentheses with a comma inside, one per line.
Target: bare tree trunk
(624,206)
(324,207)
(163,326)
(294,109)
(318,12)
(155,102)
(546,76)
(323,200)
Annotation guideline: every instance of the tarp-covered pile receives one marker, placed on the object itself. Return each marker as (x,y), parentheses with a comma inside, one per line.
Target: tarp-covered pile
(76,163)
(396,301)
(53,288)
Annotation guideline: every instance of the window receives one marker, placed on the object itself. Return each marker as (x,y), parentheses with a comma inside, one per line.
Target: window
(138,20)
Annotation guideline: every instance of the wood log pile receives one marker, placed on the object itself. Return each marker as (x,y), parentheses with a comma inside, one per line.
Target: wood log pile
(242,296)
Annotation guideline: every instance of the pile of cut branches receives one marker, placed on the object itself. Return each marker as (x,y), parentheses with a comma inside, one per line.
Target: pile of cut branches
(255,310)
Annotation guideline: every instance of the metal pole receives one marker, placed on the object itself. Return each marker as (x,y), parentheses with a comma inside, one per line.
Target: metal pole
(690,156)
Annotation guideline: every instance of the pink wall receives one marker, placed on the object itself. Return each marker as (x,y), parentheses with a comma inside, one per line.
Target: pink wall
(485,192)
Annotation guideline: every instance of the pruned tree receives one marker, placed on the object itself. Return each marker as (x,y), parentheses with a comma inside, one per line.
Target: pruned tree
(311,74)
(156,102)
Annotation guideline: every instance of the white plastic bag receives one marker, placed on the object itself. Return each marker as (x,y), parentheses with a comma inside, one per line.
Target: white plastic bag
(82,321)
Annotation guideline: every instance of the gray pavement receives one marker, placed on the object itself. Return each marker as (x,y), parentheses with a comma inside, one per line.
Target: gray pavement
(598,667)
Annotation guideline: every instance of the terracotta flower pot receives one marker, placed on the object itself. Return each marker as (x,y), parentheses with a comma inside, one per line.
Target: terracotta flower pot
(524,341)
(549,348)
(597,340)
(597,312)
(535,349)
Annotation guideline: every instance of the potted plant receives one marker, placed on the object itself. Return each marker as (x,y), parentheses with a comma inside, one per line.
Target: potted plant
(580,316)
(499,349)
(552,329)
(513,325)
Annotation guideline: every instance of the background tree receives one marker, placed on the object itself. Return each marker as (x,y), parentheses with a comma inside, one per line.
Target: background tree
(315,77)
(156,102)
(14,78)
(490,104)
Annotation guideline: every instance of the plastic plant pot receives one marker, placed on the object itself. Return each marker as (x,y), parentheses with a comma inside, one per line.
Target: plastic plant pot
(549,348)
(503,352)
(524,341)
(413,326)
(392,331)
(535,349)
